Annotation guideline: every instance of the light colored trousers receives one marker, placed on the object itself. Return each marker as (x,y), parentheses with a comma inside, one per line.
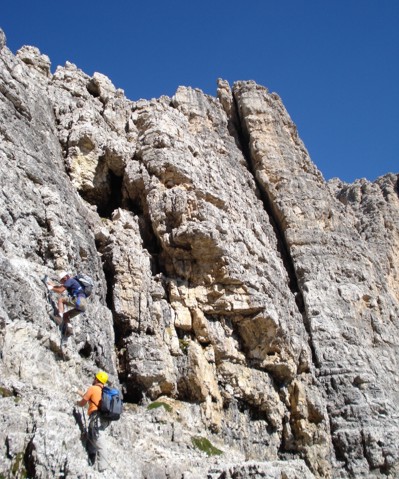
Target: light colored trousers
(96,440)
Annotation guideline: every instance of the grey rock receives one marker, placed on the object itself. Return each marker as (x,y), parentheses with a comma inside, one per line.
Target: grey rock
(239,297)
(3,39)
(31,56)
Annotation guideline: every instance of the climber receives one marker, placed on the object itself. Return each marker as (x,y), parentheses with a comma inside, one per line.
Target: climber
(97,425)
(76,298)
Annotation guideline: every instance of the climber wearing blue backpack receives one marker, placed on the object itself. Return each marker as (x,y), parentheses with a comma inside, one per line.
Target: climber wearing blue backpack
(97,425)
(78,287)
(105,405)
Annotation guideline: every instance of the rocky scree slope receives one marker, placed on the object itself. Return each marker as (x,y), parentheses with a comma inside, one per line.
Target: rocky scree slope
(254,302)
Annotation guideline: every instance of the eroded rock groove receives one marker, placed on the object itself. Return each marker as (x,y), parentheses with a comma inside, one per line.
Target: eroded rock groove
(191,244)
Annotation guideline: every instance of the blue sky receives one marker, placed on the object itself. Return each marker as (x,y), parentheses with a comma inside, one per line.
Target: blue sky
(334,63)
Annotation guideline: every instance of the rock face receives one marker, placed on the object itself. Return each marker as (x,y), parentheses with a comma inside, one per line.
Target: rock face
(239,298)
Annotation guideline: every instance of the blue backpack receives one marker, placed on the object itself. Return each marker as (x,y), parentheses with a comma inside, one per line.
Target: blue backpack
(111,404)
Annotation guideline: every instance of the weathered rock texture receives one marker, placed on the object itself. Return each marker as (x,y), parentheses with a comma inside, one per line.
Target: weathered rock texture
(255,302)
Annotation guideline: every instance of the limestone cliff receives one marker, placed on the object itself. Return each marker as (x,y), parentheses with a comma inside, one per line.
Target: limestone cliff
(254,302)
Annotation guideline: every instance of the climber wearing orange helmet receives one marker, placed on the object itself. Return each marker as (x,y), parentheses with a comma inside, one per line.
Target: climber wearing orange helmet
(96,441)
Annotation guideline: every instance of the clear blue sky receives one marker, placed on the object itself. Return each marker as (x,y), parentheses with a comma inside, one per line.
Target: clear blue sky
(335,63)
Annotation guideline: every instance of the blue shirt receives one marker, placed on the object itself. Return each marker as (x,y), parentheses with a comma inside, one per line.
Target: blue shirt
(73,287)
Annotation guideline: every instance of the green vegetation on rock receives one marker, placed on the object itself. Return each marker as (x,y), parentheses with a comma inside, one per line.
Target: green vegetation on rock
(157,404)
(183,343)
(18,468)
(206,446)
(5,393)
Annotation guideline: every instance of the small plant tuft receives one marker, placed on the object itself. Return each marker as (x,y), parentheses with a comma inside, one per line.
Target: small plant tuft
(5,393)
(18,468)
(203,444)
(184,344)
(157,404)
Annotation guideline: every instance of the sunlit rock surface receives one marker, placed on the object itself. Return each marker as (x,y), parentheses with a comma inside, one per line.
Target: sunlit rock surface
(239,296)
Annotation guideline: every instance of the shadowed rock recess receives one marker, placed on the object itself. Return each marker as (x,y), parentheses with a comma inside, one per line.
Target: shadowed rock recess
(255,303)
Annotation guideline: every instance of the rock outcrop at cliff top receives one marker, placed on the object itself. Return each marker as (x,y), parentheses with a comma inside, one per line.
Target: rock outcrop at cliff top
(255,303)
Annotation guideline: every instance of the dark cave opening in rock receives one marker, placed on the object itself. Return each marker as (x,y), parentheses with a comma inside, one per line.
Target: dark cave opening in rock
(132,392)
(93,88)
(113,199)
(122,330)
(86,350)
(122,327)
(150,240)
(29,459)
(106,190)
